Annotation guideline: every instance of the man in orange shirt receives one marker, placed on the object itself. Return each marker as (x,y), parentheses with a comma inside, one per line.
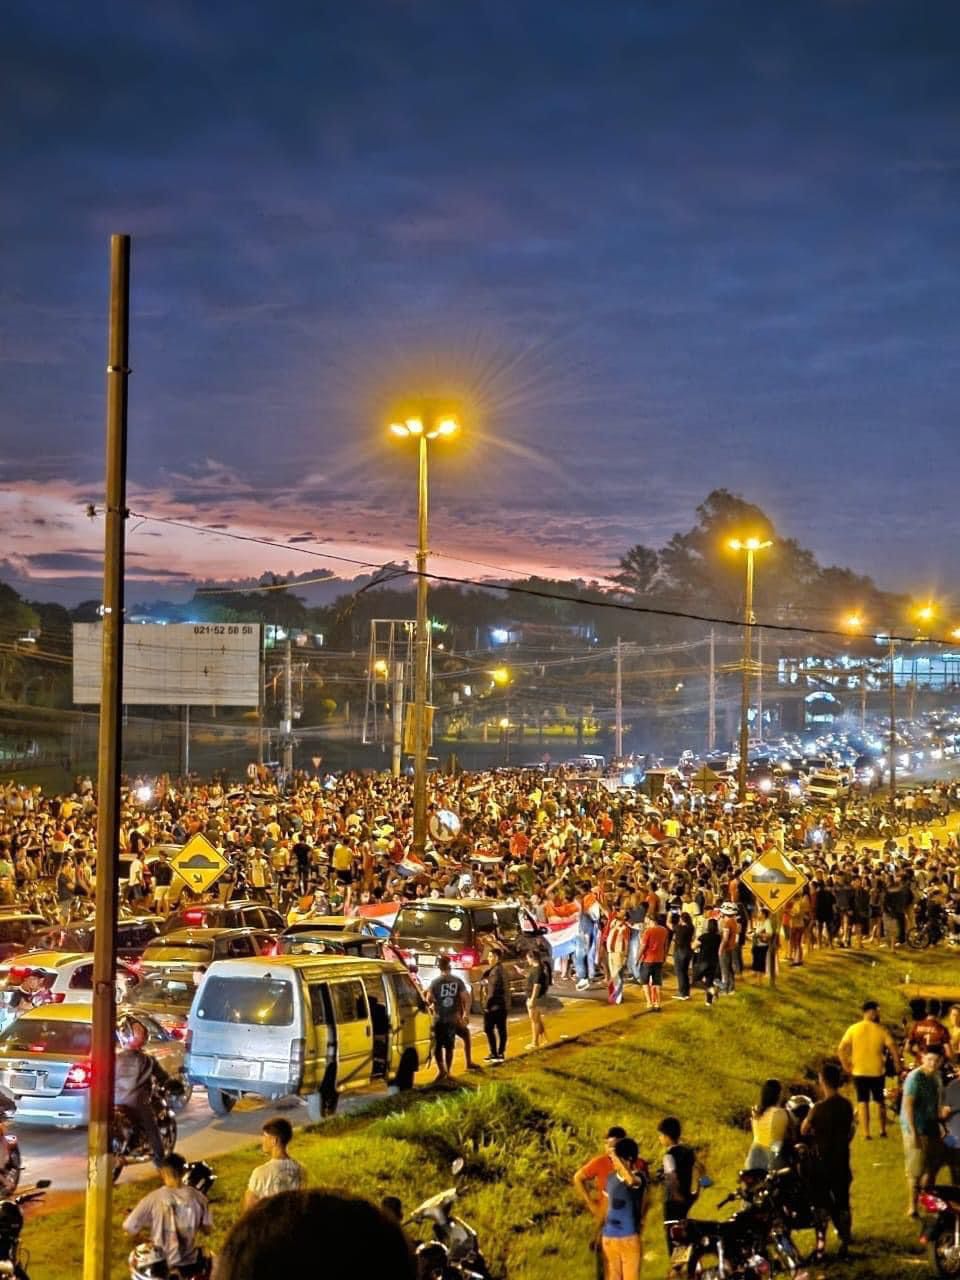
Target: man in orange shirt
(597,1171)
(653,954)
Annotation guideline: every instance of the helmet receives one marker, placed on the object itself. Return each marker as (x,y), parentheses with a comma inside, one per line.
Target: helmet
(200,1176)
(431,1260)
(799,1106)
(147,1263)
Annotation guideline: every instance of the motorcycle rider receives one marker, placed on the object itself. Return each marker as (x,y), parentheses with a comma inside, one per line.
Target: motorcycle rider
(173,1215)
(137,1074)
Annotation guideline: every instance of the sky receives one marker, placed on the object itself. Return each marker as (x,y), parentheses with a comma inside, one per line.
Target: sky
(649,249)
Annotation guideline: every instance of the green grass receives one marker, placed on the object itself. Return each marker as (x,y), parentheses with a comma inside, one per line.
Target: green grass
(525,1132)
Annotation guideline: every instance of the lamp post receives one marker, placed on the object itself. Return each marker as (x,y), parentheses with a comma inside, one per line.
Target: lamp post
(750,546)
(428,425)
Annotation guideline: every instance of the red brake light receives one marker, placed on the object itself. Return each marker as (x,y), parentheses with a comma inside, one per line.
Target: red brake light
(58,997)
(933,1204)
(273,949)
(464,959)
(194,916)
(178,1030)
(79,1076)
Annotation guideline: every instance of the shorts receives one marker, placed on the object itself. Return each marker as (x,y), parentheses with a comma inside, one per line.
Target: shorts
(445,1033)
(344,877)
(924,1159)
(869,1088)
(652,974)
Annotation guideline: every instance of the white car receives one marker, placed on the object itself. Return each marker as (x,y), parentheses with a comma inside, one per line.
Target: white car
(67,978)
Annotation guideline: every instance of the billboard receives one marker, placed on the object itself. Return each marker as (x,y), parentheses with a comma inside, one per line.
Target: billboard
(175,664)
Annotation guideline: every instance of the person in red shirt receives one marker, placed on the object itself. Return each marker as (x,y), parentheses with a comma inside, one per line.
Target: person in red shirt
(653,954)
(597,1171)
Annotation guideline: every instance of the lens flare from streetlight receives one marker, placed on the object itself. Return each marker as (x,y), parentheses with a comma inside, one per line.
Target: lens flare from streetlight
(415,426)
(500,675)
(504,723)
(748,544)
(447,427)
(399,429)
(380,667)
(925,612)
(854,621)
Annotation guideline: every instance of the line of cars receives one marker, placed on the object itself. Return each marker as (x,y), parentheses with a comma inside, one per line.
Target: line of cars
(239,1007)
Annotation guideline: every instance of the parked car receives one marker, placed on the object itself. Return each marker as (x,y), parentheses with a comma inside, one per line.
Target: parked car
(45,1062)
(187,949)
(305,940)
(343,924)
(67,978)
(166,995)
(463,929)
(228,915)
(134,935)
(306,1025)
(17,930)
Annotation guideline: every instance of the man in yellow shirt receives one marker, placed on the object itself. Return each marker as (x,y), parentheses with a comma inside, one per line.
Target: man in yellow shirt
(862,1052)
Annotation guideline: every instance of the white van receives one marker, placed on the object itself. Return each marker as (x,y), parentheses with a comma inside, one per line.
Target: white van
(308,1025)
(828,784)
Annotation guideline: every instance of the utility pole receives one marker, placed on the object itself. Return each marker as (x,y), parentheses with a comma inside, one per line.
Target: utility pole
(185,755)
(893,723)
(261,699)
(760,684)
(745,680)
(712,696)
(287,759)
(863,698)
(421,656)
(397,718)
(618,728)
(98,1222)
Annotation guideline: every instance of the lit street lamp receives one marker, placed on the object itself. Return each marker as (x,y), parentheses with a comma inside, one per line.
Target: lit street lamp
(750,546)
(427,425)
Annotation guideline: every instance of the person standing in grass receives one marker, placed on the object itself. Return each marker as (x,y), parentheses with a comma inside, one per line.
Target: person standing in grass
(862,1052)
(830,1126)
(622,1234)
(597,1171)
(680,1180)
(920,1114)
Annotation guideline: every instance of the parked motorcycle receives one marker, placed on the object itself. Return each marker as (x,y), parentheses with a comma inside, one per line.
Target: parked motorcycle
(930,926)
(11,1228)
(941,1229)
(454,1252)
(10,1157)
(128,1142)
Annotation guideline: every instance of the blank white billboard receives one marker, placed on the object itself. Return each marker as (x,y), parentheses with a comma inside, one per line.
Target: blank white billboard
(177,664)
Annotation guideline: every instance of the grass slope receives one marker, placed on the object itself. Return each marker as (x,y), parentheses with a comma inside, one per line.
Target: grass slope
(526,1127)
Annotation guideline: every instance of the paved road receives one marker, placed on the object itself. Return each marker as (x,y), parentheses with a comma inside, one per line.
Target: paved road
(61,1154)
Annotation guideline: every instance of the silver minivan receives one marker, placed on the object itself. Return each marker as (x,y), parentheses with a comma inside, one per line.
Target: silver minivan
(307,1025)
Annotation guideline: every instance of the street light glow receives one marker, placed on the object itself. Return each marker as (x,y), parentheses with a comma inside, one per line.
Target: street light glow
(854,621)
(399,429)
(505,723)
(926,612)
(749,544)
(500,675)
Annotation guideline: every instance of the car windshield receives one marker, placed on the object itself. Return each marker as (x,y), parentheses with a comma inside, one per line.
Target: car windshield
(308,943)
(16,930)
(40,1035)
(157,988)
(259,1002)
(443,923)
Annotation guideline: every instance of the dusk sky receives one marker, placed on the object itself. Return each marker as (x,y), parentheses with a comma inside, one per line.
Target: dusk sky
(654,248)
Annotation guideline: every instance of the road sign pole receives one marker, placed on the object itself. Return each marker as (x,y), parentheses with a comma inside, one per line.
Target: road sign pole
(97,1260)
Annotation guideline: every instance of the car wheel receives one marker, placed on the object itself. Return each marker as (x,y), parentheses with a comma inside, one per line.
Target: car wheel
(221,1102)
(179,1101)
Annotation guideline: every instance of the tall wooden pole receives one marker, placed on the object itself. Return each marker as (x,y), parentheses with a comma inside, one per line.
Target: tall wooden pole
(97,1262)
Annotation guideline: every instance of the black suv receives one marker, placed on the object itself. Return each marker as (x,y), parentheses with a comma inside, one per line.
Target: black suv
(463,928)
(227,915)
(134,935)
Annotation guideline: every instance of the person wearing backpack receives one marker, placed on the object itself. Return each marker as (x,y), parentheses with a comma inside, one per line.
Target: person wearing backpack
(538,983)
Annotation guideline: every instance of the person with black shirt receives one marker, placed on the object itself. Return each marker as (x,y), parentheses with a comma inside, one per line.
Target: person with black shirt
(683,935)
(537,985)
(830,1126)
(447,997)
(679,1164)
(495,1007)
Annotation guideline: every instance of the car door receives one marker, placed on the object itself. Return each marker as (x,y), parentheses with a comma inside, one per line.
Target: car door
(411,1021)
(514,947)
(354,1033)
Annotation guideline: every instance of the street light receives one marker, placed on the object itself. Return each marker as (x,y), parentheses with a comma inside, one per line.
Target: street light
(750,546)
(854,622)
(423,426)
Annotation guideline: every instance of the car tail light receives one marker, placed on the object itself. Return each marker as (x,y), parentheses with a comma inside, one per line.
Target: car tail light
(464,959)
(272,949)
(58,997)
(194,915)
(187,1039)
(297,1053)
(932,1203)
(79,1076)
(178,1030)
(678,1232)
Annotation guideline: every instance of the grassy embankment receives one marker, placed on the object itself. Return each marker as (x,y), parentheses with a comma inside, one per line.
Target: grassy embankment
(525,1128)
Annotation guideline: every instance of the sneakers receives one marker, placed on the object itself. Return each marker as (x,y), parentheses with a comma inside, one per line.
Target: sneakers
(582,984)
(492,1057)
(681,997)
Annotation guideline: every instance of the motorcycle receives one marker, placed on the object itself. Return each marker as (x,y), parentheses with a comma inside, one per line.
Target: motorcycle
(941,1228)
(931,927)
(9,1149)
(128,1142)
(11,1228)
(742,1243)
(454,1252)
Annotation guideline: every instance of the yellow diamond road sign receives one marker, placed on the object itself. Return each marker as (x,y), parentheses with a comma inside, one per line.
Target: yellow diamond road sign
(199,864)
(773,879)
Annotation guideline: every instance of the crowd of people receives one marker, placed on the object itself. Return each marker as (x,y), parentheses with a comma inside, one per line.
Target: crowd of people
(638,879)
